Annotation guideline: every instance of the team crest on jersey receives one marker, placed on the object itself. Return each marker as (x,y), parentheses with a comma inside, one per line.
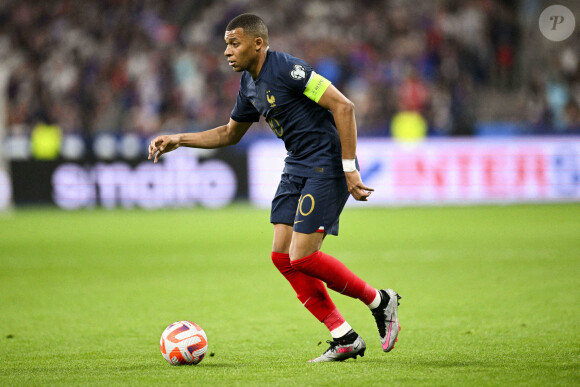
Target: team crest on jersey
(298,72)
(271,99)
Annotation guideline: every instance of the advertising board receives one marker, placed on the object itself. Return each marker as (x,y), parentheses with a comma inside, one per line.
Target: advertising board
(446,171)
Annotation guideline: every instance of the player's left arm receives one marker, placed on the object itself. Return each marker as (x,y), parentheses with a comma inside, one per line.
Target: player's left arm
(343,111)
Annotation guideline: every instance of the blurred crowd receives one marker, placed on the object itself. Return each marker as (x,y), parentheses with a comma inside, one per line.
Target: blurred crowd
(128,66)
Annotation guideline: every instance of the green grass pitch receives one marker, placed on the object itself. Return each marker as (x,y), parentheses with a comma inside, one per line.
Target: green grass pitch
(490,297)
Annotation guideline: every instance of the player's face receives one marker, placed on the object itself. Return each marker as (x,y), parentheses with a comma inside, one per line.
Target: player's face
(240,50)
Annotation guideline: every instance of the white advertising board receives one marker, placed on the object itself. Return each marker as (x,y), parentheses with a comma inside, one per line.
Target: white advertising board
(446,171)
(5,188)
(178,180)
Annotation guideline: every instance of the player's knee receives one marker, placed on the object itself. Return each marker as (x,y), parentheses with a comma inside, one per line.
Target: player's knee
(298,252)
(282,263)
(305,245)
(282,238)
(294,252)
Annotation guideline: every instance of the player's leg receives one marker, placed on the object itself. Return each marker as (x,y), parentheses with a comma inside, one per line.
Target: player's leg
(306,257)
(345,343)
(310,217)
(310,291)
(319,208)
(282,238)
(321,203)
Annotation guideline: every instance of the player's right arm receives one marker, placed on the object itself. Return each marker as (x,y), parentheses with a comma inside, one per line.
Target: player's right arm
(219,137)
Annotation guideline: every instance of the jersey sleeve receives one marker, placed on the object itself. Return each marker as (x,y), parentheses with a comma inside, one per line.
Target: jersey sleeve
(294,73)
(302,79)
(244,111)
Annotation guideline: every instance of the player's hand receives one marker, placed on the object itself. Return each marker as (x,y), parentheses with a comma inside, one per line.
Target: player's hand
(161,145)
(357,189)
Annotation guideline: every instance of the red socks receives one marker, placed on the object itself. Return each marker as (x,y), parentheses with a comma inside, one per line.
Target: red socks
(307,276)
(310,291)
(336,275)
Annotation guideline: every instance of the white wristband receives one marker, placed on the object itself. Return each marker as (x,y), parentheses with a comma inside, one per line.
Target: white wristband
(348,165)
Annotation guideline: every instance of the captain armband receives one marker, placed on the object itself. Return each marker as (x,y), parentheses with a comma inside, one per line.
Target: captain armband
(316,86)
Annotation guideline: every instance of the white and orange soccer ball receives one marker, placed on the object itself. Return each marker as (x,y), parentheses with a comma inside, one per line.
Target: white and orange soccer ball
(183,343)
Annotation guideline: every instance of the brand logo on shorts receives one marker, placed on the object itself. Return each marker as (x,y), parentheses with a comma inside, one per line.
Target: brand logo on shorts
(298,72)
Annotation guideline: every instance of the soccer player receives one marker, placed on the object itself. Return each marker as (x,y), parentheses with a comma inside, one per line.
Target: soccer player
(317,124)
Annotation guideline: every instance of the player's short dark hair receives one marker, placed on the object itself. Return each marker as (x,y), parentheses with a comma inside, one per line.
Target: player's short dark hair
(251,24)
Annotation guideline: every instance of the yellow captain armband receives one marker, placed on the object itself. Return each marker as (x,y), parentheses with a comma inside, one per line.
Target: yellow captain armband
(316,86)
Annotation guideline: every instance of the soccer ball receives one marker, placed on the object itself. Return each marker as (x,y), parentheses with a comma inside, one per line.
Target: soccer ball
(183,342)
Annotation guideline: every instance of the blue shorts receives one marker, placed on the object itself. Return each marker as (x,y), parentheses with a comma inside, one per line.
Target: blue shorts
(310,204)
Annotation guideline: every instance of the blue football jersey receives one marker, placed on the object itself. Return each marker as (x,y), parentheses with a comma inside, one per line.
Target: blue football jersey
(307,129)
